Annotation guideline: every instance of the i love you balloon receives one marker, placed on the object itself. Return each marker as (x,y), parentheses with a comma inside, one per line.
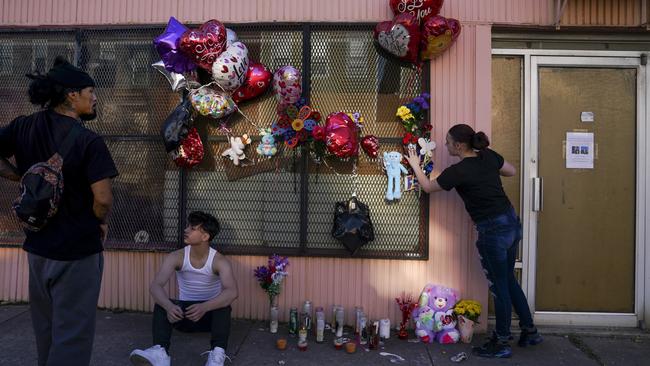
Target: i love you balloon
(420,9)
(205,44)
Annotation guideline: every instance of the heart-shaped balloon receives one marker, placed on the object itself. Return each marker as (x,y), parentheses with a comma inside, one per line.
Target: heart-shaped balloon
(438,34)
(205,44)
(175,127)
(258,80)
(167,46)
(229,69)
(209,102)
(400,37)
(190,153)
(287,85)
(341,135)
(420,9)
(370,144)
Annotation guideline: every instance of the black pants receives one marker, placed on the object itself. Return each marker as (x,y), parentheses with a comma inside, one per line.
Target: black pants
(217,322)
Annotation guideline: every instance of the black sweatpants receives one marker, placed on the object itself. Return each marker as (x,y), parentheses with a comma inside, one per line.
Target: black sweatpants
(63,304)
(217,322)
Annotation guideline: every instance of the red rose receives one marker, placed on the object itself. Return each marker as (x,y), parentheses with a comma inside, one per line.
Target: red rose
(319,133)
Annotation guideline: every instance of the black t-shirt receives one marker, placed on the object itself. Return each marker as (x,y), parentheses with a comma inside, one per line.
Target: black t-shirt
(74,232)
(478,183)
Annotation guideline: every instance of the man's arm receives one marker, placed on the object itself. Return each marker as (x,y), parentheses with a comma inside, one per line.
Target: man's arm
(102,203)
(171,262)
(8,171)
(229,291)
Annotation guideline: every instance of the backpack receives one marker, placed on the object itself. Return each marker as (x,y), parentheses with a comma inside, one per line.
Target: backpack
(41,187)
(352,225)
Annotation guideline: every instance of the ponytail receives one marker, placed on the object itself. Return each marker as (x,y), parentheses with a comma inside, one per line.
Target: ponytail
(45,92)
(480,141)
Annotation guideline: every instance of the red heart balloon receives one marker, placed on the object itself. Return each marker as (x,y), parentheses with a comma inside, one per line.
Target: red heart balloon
(370,144)
(190,153)
(258,79)
(205,44)
(438,34)
(341,135)
(399,37)
(420,9)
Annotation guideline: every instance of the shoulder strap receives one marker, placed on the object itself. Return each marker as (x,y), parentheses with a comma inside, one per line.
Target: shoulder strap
(69,140)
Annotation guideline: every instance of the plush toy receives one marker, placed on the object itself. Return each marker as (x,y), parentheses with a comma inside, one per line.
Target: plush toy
(434,316)
(267,146)
(394,168)
(236,150)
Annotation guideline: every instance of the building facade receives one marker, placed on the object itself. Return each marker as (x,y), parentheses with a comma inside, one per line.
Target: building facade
(535,75)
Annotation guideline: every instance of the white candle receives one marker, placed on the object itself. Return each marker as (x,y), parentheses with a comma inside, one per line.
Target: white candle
(384,328)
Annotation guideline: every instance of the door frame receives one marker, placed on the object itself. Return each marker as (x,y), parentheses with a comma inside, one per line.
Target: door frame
(532,60)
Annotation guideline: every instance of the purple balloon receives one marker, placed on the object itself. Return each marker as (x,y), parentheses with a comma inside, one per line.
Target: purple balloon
(167,46)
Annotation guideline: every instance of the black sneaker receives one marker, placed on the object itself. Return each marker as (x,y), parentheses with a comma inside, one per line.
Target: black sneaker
(529,338)
(493,348)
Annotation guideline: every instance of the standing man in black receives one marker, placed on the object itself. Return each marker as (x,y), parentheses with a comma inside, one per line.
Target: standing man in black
(65,256)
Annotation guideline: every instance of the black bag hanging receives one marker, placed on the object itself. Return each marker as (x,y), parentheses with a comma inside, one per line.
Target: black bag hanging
(176,126)
(352,225)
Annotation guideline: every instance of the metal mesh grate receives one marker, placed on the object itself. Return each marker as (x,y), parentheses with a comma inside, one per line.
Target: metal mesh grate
(280,205)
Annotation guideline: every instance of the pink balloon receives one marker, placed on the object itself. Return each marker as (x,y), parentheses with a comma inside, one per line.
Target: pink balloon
(287,85)
(341,135)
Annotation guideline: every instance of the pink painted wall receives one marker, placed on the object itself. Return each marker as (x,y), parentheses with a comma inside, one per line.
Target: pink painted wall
(460,91)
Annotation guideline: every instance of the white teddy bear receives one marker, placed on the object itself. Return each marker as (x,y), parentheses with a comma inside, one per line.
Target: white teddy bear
(236,150)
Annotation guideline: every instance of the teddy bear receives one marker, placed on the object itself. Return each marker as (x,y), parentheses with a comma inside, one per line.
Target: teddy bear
(236,150)
(267,146)
(394,168)
(434,317)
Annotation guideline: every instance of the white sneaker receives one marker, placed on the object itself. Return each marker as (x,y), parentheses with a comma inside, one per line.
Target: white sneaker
(152,356)
(216,357)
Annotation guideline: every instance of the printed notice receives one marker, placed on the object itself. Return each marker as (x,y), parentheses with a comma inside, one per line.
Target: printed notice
(580,150)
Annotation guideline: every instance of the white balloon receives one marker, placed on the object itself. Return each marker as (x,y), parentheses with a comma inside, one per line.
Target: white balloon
(229,69)
(231,37)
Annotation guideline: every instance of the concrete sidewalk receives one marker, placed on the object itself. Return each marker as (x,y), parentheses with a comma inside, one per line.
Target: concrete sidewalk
(252,344)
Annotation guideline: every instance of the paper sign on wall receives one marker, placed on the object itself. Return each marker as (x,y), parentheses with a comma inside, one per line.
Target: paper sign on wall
(587,116)
(580,150)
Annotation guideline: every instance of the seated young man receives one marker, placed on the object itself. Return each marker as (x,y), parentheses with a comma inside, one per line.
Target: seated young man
(206,287)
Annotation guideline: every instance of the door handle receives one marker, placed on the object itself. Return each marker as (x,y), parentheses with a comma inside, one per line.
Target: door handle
(538,194)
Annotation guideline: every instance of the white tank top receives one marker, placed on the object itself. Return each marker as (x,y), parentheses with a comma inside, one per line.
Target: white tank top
(197,284)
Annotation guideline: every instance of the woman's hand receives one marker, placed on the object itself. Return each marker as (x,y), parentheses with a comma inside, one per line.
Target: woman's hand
(413,158)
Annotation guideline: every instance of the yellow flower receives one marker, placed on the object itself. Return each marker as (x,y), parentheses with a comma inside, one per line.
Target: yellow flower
(407,117)
(297,124)
(402,111)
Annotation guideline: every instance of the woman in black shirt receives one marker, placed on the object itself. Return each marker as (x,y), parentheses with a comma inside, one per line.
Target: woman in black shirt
(477,179)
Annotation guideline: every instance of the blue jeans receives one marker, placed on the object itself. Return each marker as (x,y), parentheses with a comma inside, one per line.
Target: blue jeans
(498,238)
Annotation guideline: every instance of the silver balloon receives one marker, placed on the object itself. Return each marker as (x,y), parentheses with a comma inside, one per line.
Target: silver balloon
(231,37)
(177,81)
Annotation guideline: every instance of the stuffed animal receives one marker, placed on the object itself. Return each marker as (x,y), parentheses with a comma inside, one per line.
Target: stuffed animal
(267,146)
(236,150)
(394,168)
(434,316)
